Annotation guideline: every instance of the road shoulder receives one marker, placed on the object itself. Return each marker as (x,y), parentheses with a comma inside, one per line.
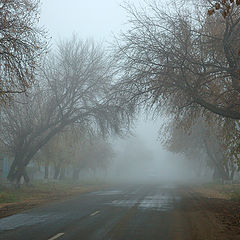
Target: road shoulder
(27,197)
(205,215)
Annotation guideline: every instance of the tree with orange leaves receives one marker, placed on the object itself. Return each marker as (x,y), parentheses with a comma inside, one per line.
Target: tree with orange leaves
(182,61)
(22,43)
(223,6)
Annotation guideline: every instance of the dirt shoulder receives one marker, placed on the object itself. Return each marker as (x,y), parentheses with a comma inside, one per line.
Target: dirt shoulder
(14,201)
(207,213)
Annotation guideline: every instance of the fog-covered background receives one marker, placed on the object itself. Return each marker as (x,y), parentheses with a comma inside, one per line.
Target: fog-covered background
(107,99)
(102,21)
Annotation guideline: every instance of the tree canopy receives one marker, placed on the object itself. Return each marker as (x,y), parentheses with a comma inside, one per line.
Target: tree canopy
(181,60)
(73,89)
(22,43)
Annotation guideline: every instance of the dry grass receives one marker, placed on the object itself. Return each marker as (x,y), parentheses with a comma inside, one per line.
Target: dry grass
(221,191)
(16,200)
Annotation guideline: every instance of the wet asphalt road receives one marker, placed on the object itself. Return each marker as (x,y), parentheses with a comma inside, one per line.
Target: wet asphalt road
(122,212)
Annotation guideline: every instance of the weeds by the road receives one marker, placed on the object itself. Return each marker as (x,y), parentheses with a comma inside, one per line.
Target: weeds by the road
(38,190)
(8,197)
(13,200)
(222,191)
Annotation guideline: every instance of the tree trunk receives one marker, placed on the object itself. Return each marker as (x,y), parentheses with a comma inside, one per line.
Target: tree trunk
(16,174)
(218,167)
(25,176)
(62,173)
(12,171)
(46,170)
(232,173)
(75,175)
(18,170)
(56,171)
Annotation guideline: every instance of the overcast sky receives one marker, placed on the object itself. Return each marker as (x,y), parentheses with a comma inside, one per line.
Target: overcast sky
(97,19)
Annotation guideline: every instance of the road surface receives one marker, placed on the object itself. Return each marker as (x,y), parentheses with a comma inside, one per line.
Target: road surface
(130,212)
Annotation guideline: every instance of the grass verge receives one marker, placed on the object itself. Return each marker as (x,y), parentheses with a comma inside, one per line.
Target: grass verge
(222,191)
(14,200)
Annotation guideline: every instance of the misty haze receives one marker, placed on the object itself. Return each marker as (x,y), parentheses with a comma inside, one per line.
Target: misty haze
(120,120)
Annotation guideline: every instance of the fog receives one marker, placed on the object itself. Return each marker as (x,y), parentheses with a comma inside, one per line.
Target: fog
(119,119)
(99,20)
(138,156)
(107,129)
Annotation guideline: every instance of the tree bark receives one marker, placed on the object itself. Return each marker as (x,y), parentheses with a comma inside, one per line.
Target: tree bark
(57,171)
(232,173)
(25,155)
(62,173)
(218,168)
(46,170)
(25,176)
(16,172)
(18,169)
(75,175)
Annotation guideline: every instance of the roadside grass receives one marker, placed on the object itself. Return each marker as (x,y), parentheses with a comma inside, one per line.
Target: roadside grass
(15,200)
(44,191)
(227,191)
(8,197)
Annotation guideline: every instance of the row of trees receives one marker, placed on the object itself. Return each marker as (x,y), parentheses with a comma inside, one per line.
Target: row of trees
(64,89)
(207,144)
(187,60)
(185,63)
(72,90)
(75,151)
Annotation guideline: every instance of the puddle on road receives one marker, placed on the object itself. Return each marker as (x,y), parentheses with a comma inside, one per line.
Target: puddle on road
(158,202)
(123,203)
(109,192)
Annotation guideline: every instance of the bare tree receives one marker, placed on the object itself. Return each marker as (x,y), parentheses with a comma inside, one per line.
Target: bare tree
(22,43)
(181,60)
(74,89)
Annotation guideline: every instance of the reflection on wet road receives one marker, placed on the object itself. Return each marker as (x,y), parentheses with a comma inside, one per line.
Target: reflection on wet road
(158,202)
(129,212)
